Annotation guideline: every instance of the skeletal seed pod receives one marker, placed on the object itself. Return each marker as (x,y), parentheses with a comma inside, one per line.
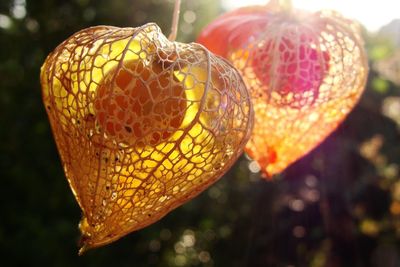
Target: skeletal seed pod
(305,71)
(142,124)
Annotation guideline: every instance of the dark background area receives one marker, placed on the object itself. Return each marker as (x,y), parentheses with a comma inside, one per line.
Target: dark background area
(338,206)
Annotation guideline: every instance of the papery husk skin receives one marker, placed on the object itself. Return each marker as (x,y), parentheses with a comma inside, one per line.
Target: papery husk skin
(131,156)
(305,71)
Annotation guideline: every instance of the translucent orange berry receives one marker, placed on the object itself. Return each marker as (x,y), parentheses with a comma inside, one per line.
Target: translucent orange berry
(129,109)
(305,59)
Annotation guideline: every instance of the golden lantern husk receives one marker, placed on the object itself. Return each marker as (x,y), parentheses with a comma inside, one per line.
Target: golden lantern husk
(305,71)
(142,124)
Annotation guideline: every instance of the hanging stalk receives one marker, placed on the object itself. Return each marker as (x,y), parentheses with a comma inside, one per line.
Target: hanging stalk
(175,20)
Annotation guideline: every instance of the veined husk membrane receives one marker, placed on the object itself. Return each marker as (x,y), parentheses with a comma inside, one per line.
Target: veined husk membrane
(305,71)
(142,124)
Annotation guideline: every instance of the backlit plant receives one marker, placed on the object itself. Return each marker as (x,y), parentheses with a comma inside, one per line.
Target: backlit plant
(142,123)
(305,71)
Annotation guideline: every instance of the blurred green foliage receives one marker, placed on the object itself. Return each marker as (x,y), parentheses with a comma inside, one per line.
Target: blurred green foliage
(338,206)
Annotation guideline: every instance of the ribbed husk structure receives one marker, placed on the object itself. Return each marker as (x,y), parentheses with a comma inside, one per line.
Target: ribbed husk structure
(142,124)
(306,71)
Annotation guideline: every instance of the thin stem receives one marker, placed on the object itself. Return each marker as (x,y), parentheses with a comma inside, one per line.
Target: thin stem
(175,20)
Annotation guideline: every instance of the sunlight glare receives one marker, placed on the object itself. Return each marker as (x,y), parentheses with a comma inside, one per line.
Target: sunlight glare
(372,14)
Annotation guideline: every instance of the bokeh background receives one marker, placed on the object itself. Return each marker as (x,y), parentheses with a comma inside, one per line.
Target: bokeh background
(338,206)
